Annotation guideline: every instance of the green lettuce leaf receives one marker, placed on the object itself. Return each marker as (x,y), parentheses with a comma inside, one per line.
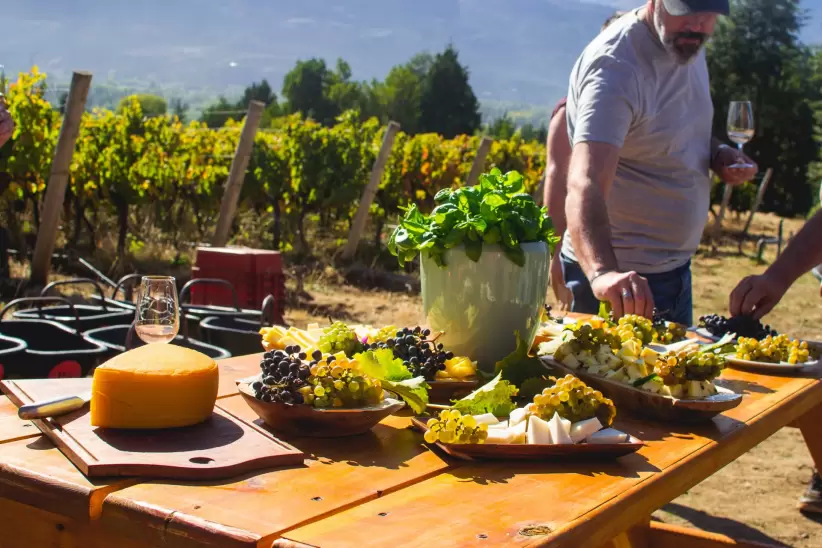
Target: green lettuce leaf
(381,364)
(518,366)
(494,397)
(413,391)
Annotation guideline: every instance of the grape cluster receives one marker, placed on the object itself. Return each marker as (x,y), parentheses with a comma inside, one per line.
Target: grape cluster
(587,338)
(774,350)
(666,332)
(636,327)
(284,373)
(573,400)
(338,337)
(454,427)
(421,356)
(383,334)
(334,383)
(743,326)
(680,367)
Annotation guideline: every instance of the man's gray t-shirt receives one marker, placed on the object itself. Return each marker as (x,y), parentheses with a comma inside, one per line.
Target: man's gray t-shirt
(626,90)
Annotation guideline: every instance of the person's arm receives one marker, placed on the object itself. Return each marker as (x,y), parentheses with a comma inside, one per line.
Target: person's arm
(592,170)
(607,103)
(757,295)
(558,150)
(6,125)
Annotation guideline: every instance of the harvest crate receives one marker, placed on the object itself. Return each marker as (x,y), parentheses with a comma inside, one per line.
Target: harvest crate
(254,273)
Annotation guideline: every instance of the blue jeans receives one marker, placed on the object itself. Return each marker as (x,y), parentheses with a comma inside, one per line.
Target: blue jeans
(671,290)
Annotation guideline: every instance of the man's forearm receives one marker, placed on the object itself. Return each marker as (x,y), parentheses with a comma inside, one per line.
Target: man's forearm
(802,254)
(590,228)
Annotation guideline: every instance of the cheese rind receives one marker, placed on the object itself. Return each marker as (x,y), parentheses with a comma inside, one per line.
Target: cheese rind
(154,386)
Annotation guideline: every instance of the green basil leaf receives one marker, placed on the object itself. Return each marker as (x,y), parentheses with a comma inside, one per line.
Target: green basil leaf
(473,248)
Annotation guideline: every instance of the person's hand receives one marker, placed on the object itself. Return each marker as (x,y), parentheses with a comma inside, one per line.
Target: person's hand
(6,125)
(628,293)
(723,164)
(757,295)
(562,294)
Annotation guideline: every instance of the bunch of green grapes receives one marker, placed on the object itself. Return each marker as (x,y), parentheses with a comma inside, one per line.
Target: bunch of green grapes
(680,367)
(632,326)
(454,427)
(587,338)
(668,332)
(381,336)
(338,337)
(573,400)
(774,350)
(336,384)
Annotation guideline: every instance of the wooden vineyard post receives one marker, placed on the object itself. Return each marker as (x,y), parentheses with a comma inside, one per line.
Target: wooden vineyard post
(58,178)
(234,183)
(760,194)
(726,198)
(479,161)
(370,191)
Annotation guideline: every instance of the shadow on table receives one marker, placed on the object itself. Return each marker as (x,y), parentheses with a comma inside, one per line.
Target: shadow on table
(714,524)
(744,387)
(489,472)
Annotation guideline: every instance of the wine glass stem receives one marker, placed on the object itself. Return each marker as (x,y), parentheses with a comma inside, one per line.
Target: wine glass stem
(739,146)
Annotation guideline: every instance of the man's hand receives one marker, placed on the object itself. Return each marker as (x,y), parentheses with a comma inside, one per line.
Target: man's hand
(6,125)
(757,295)
(562,294)
(628,293)
(725,158)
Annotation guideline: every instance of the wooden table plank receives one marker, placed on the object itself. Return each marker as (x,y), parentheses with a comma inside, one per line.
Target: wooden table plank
(256,508)
(11,427)
(235,368)
(570,505)
(36,473)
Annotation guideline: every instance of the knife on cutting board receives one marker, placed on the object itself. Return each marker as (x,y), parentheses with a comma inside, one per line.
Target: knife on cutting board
(54,407)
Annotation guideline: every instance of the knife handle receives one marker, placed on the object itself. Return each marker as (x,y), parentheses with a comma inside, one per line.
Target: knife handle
(51,408)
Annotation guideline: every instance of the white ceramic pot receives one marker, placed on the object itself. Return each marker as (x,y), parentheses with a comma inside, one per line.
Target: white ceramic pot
(479,305)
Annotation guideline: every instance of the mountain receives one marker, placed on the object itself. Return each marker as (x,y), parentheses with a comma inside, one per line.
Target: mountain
(519,52)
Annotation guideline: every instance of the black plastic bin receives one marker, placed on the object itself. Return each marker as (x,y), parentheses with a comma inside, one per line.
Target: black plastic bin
(52,349)
(11,351)
(116,339)
(90,316)
(202,311)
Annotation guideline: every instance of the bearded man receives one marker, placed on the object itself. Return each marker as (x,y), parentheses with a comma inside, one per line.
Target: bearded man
(639,116)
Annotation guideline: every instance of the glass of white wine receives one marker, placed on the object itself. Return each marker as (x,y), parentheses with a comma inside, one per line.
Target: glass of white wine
(158,310)
(740,126)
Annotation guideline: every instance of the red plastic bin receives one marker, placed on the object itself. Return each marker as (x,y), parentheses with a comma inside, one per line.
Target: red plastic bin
(254,273)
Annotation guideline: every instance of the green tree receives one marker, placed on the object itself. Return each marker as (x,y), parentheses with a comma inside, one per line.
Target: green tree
(401,93)
(502,128)
(448,105)
(306,88)
(150,105)
(179,108)
(757,55)
(217,114)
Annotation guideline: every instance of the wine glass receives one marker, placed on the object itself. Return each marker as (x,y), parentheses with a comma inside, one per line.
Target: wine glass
(158,310)
(740,126)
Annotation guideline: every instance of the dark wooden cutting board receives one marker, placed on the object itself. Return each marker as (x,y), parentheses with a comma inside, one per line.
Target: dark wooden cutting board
(221,447)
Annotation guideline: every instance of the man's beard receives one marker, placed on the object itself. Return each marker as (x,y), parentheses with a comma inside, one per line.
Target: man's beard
(683,52)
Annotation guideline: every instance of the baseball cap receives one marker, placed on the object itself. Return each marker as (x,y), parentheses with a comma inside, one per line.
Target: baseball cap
(687,7)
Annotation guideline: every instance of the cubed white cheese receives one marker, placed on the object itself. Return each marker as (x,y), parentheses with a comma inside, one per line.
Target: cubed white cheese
(538,431)
(582,429)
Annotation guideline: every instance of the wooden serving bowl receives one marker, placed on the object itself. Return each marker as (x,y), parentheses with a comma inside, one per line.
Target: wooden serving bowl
(446,390)
(651,405)
(307,421)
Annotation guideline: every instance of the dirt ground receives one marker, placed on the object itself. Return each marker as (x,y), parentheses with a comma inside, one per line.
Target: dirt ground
(769,479)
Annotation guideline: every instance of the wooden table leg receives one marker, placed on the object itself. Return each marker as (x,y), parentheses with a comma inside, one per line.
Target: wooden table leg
(663,535)
(811,426)
(635,537)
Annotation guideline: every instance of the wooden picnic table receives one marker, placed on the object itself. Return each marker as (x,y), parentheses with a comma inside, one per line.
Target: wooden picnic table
(386,488)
